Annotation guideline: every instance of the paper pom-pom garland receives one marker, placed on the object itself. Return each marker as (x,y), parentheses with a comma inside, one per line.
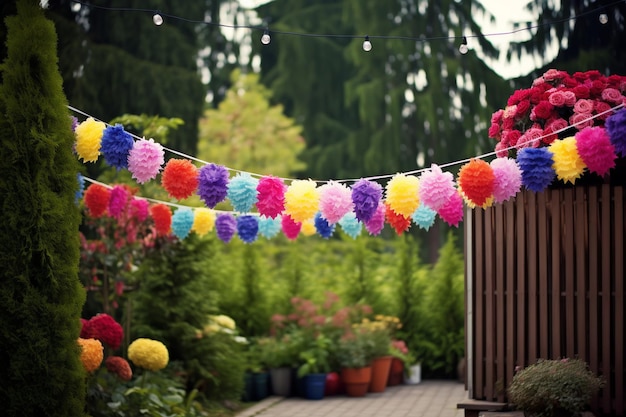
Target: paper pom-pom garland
(335,201)
(350,225)
(567,163)
(118,201)
(88,139)
(139,209)
(476,180)
(269,226)
(203,221)
(399,222)
(366,197)
(182,221)
(115,146)
(225,226)
(97,199)
(452,211)
(424,216)
(242,192)
(301,200)
(291,228)
(507,179)
(212,184)
(595,149)
(81,188)
(271,196)
(145,160)
(536,166)
(162,217)
(247,228)
(308,228)
(616,128)
(403,194)
(376,223)
(436,187)
(324,229)
(180,178)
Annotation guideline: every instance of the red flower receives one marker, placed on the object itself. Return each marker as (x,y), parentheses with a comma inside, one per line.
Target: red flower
(119,366)
(104,328)
(543,110)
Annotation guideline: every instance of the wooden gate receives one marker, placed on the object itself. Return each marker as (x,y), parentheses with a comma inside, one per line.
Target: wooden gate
(545,279)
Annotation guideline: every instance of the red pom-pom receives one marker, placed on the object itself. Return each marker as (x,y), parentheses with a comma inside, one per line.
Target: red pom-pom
(97,199)
(104,328)
(180,178)
(162,217)
(397,221)
(291,228)
(477,181)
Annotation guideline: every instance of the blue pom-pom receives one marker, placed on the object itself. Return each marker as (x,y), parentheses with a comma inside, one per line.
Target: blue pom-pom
(116,145)
(226,226)
(242,192)
(212,184)
(81,188)
(536,166)
(424,216)
(247,228)
(269,227)
(324,229)
(616,129)
(366,196)
(182,220)
(351,225)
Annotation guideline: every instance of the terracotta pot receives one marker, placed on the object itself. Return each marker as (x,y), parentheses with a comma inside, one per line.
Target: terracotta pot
(396,373)
(380,373)
(356,380)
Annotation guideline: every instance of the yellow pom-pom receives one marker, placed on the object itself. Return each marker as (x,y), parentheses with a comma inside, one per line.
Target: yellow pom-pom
(88,139)
(148,354)
(91,353)
(568,165)
(203,221)
(308,228)
(402,194)
(302,200)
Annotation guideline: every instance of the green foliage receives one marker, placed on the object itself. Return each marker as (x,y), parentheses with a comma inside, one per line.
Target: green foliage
(549,386)
(41,297)
(353,351)
(314,358)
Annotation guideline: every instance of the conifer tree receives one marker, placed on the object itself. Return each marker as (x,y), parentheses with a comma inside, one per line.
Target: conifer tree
(40,294)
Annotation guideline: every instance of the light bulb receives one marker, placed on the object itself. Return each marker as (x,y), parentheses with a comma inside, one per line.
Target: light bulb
(265,39)
(157,19)
(367,45)
(463,48)
(603,18)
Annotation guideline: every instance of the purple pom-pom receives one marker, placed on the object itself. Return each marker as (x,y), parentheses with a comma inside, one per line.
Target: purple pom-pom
(213,184)
(366,196)
(376,224)
(536,166)
(324,229)
(225,226)
(115,146)
(247,228)
(616,128)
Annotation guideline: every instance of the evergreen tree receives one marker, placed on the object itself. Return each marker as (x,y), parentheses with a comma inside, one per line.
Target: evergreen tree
(41,297)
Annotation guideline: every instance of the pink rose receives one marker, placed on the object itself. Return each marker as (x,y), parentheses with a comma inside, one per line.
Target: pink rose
(510,112)
(501,150)
(583,106)
(570,98)
(557,99)
(612,95)
(530,139)
(552,74)
(494,131)
(581,120)
(510,137)
(497,116)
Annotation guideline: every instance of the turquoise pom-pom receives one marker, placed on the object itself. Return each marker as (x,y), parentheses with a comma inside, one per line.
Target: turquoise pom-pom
(182,220)
(242,192)
(424,216)
(351,225)
(269,227)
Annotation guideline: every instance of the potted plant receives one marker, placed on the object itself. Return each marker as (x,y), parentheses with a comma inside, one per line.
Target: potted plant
(314,364)
(401,363)
(353,354)
(378,332)
(561,387)
(279,356)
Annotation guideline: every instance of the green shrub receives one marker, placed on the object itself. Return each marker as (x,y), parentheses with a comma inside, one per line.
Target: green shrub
(554,385)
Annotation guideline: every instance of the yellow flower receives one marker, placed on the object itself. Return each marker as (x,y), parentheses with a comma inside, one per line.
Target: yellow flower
(91,353)
(148,354)
(224,321)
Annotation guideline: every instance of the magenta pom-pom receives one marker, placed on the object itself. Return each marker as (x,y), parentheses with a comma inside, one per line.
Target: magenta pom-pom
(117,201)
(271,196)
(335,201)
(452,211)
(139,209)
(291,228)
(595,149)
(376,223)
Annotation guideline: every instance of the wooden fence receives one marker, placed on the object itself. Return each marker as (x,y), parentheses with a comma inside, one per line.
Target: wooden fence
(545,279)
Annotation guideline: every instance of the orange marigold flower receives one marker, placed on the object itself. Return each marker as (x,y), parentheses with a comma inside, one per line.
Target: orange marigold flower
(91,354)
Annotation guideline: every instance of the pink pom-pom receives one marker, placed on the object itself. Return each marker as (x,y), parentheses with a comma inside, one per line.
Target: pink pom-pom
(596,150)
(145,160)
(118,201)
(335,201)
(271,196)
(436,187)
(376,223)
(508,179)
(139,209)
(452,211)
(291,228)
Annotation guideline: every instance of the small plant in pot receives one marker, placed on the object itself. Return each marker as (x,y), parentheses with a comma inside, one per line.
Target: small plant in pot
(560,387)
(354,356)
(314,364)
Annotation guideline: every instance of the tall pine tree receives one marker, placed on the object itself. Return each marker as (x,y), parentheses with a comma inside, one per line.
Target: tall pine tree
(40,294)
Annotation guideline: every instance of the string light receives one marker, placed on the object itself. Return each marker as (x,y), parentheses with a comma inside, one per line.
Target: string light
(266,39)
(463,48)
(157,19)
(367,45)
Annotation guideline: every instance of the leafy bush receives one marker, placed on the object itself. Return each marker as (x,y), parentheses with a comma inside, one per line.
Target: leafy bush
(552,385)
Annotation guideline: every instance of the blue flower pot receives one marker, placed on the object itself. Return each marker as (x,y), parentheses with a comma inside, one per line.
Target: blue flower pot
(314,385)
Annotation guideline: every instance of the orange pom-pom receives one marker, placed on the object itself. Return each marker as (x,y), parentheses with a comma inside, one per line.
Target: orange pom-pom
(162,217)
(477,181)
(397,221)
(180,178)
(97,199)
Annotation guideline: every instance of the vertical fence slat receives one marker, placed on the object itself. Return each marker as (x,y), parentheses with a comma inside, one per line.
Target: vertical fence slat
(490,316)
(479,294)
(542,288)
(605,200)
(569,260)
(618,260)
(580,240)
(510,287)
(555,311)
(500,299)
(521,278)
(531,276)
(594,274)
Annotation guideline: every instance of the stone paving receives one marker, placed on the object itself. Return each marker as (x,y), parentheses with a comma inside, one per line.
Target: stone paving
(429,398)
